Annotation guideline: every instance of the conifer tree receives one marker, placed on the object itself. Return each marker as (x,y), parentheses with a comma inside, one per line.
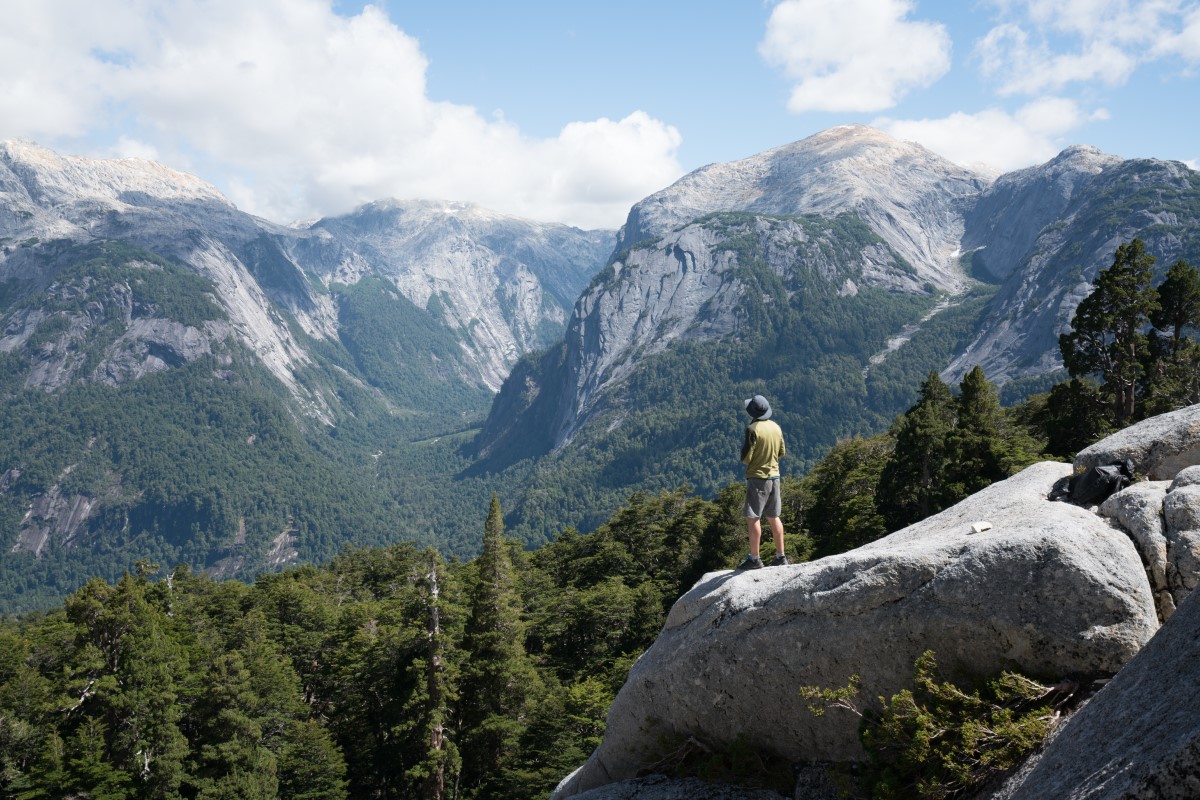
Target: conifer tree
(1173,379)
(133,666)
(440,750)
(565,728)
(30,750)
(431,758)
(47,778)
(1179,302)
(233,761)
(90,772)
(1075,415)
(977,449)
(311,766)
(498,678)
(912,484)
(842,509)
(1108,336)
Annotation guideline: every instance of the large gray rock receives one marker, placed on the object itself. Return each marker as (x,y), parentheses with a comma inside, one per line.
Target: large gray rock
(1159,446)
(1139,738)
(1139,510)
(1181,513)
(1163,519)
(1051,589)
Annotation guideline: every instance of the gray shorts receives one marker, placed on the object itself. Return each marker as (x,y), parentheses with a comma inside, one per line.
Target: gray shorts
(762,498)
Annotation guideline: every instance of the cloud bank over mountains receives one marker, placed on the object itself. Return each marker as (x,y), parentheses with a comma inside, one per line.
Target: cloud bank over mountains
(866,55)
(306,108)
(306,112)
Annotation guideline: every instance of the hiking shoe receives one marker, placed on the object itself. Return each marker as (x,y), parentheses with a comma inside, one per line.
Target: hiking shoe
(779,560)
(750,562)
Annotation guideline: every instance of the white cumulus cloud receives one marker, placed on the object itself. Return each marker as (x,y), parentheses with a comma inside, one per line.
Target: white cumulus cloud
(1046,45)
(1185,42)
(303,112)
(995,137)
(853,55)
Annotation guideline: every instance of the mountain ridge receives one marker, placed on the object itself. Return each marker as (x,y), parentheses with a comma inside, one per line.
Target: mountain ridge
(293,399)
(840,169)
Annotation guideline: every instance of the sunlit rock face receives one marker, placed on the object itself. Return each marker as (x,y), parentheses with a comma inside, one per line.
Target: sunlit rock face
(50,205)
(912,198)
(505,285)
(243,299)
(1138,738)
(1045,232)
(1040,234)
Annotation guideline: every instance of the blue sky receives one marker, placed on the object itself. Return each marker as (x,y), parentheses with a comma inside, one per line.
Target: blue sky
(572,111)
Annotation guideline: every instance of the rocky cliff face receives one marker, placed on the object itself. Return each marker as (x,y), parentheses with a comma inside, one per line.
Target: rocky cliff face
(851,207)
(113,271)
(1040,234)
(1009,215)
(912,198)
(501,284)
(1046,231)
(53,204)
(505,285)
(689,285)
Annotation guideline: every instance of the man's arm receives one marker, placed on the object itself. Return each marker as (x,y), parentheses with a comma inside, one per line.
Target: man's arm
(748,444)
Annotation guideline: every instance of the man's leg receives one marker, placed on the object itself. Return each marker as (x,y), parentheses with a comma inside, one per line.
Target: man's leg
(754,529)
(756,495)
(776,532)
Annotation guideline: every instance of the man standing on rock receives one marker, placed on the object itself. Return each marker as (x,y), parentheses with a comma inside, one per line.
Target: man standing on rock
(761,452)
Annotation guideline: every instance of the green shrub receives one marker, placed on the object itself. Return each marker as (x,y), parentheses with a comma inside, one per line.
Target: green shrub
(938,740)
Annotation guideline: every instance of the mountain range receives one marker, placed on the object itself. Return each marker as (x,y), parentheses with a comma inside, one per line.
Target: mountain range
(830,275)
(186,381)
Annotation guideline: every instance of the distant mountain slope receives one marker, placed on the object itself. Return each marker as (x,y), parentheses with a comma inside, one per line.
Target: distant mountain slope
(911,198)
(676,272)
(189,381)
(186,381)
(643,392)
(502,285)
(1046,231)
(52,203)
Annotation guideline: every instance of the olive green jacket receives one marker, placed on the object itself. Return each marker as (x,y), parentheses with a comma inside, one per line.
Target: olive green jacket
(762,449)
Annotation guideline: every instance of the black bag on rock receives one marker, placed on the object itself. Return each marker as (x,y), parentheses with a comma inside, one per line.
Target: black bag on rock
(1095,485)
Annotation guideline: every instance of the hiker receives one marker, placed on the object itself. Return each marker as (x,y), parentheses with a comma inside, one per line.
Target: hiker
(761,452)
